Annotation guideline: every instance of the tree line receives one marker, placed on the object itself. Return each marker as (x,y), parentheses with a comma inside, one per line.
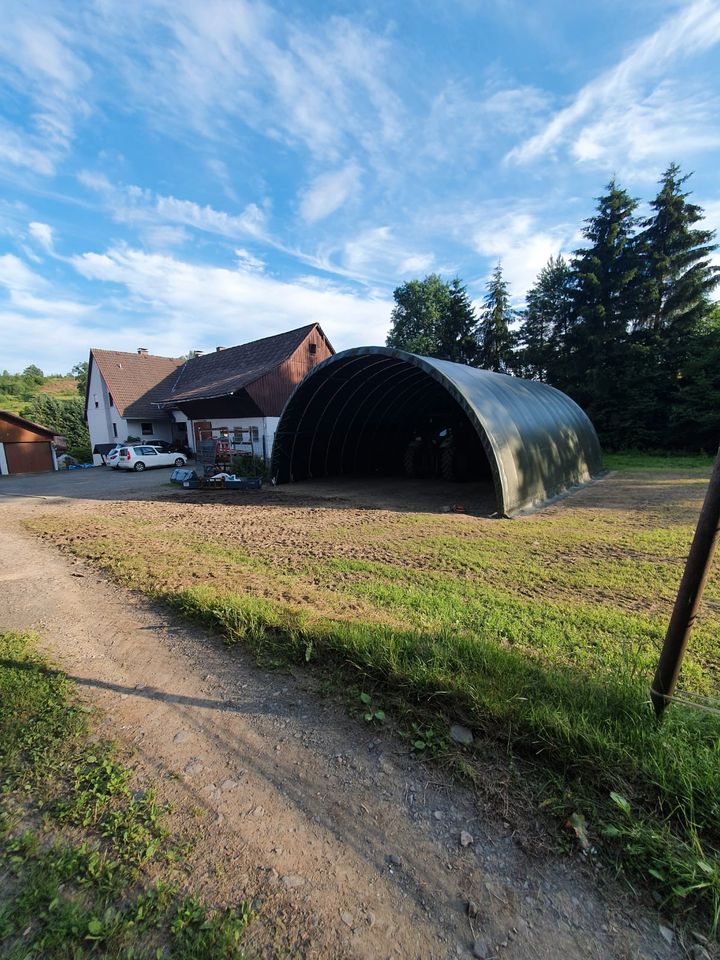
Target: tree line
(627,326)
(23,393)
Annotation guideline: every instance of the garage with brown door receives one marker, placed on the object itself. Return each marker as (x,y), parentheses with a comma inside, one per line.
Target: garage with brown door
(25,447)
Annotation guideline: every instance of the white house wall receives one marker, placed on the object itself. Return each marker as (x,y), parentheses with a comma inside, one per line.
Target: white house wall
(162,430)
(101,416)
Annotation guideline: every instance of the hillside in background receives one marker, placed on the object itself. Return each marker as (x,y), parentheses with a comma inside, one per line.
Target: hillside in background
(53,401)
(17,390)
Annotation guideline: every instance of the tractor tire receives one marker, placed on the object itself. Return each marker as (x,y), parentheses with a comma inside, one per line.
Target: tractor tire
(411,461)
(454,464)
(418,460)
(447,463)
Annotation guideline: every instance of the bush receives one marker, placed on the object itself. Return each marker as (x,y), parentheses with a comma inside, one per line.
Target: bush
(244,466)
(81,454)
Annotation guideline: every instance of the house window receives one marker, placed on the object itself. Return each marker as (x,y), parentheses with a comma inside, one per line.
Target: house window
(312,348)
(114,429)
(97,404)
(146,429)
(254,434)
(111,400)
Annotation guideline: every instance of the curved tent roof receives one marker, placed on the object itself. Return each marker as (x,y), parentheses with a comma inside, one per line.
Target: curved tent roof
(538,442)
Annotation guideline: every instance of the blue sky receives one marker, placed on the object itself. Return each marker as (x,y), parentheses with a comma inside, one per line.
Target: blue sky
(182,174)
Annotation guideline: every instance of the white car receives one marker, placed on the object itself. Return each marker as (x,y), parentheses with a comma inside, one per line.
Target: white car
(143,457)
(111,458)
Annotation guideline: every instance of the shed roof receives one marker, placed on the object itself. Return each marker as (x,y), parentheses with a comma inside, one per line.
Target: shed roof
(26,424)
(538,441)
(137,381)
(234,368)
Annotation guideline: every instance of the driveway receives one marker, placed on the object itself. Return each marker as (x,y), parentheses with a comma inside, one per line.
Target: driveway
(96,483)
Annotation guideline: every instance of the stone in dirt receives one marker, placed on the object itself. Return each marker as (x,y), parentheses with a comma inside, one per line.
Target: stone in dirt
(347,918)
(293,880)
(181,736)
(195,766)
(438,814)
(666,933)
(461,734)
(481,950)
(465,838)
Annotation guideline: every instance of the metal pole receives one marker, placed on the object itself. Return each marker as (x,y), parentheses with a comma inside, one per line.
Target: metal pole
(697,569)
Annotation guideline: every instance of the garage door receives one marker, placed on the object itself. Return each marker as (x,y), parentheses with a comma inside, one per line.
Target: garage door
(28,457)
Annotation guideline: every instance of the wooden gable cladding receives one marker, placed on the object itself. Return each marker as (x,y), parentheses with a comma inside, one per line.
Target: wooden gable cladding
(14,429)
(271,392)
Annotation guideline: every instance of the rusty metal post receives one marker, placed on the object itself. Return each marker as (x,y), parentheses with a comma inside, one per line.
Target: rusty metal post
(697,569)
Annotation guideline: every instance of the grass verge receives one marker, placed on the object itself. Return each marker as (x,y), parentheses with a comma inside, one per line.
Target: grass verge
(647,792)
(86,864)
(542,633)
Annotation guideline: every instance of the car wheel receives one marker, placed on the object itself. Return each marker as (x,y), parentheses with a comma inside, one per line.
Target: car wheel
(179,462)
(139,466)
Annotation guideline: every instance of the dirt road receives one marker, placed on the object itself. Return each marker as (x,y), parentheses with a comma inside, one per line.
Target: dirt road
(349,846)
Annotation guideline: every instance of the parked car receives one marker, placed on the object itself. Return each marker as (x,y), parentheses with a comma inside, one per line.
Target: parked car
(142,457)
(111,458)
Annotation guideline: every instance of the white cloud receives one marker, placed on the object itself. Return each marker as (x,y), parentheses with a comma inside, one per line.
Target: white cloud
(320,84)
(522,244)
(171,306)
(328,192)
(42,234)
(462,123)
(38,64)
(194,302)
(137,205)
(17,277)
(377,253)
(248,261)
(624,107)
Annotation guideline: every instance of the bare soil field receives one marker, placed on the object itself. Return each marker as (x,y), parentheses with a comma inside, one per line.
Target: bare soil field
(348,843)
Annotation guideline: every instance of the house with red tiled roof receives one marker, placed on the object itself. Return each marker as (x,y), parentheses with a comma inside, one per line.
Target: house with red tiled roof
(236,393)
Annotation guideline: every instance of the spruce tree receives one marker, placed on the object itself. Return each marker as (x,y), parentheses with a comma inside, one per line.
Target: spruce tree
(677,275)
(496,339)
(459,341)
(605,306)
(543,334)
(676,281)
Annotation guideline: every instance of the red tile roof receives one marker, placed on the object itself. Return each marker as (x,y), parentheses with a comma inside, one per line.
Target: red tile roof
(137,381)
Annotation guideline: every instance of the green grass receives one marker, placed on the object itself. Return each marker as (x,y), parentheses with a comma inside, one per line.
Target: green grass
(541,633)
(86,863)
(660,460)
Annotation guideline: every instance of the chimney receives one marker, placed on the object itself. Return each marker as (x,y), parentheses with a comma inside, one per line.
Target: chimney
(218,349)
(198,353)
(142,350)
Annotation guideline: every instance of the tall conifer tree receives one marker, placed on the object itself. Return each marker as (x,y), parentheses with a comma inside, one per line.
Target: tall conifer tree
(496,340)
(606,306)
(677,275)
(543,334)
